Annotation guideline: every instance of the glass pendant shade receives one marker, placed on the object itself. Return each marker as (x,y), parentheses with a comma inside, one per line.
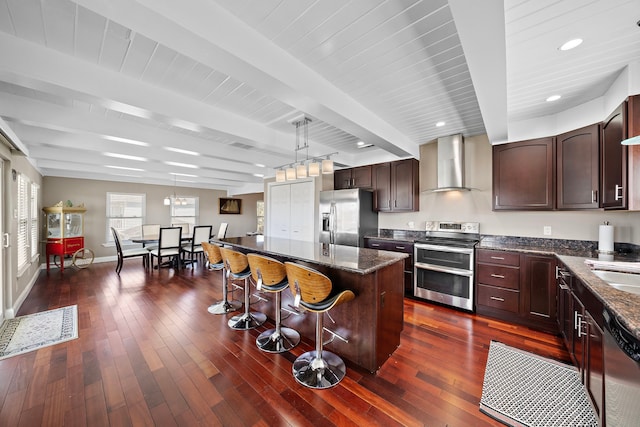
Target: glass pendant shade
(301,171)
(167,201)
(314,168)
(327,166)
(291,174)
(281,175)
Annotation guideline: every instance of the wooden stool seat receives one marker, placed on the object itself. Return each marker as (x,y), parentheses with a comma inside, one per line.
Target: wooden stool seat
(215,262)
(314,291)
(237,268)
(270,275)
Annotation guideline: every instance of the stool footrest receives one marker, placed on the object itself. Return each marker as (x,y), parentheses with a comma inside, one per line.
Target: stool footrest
(334,335)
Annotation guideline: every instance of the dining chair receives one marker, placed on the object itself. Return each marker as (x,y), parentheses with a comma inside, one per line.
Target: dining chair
(184,226)
(129,253)
(150,231)
(222,231)
(201,233)
(169,246)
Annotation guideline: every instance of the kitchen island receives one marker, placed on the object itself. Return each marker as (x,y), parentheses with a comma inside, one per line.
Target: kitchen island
(372,322)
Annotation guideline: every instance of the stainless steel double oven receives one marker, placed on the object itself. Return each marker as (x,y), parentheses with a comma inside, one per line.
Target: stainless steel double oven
(444,263)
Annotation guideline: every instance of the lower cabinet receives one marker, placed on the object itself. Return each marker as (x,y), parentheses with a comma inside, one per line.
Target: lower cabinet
(517,287)
(580,321)
(396,246)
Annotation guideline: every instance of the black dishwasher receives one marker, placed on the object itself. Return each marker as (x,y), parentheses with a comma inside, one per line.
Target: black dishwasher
(621,374)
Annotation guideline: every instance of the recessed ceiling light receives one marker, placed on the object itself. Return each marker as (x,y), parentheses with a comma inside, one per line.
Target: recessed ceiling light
(182,165)
(553,98)
(260,165)
(440,124)
(125,156)
(361,143)
(259,175)
(571,44)
(181,151)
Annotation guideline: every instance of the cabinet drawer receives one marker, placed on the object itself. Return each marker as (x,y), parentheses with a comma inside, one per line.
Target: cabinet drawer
(503,299)
(504,277)
(390,245)
(498,257)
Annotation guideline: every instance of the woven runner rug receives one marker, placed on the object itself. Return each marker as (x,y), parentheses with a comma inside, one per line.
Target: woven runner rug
(522,389)
(31,332)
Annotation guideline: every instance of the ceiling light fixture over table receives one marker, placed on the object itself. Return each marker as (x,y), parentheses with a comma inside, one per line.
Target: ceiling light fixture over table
(176,200)
(307,166)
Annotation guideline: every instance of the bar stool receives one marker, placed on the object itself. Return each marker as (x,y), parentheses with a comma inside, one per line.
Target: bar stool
(270,275)
(215,262)
(237,268)
(313,291)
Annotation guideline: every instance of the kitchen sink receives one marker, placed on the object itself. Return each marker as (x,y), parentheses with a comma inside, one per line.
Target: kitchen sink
(628,282)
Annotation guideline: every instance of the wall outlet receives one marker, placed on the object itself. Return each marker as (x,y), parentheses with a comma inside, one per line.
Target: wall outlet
(546,230)
(411,224)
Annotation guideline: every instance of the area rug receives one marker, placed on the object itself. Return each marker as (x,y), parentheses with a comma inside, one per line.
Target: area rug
(523,389)
(34,331)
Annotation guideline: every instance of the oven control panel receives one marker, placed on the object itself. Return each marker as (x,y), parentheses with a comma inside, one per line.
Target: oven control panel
(459,227)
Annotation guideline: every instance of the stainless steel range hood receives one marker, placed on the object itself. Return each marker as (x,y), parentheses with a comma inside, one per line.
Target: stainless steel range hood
(451,164)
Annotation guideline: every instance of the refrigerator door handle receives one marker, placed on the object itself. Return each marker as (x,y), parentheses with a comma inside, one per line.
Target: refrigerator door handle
(332,223)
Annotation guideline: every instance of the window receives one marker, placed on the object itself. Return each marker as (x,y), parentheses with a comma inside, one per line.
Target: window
(35,188)
(186,212)
(260,214)
(125,213)
(23,223)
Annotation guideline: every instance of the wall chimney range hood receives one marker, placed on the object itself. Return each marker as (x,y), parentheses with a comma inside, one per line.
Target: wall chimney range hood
(451,164)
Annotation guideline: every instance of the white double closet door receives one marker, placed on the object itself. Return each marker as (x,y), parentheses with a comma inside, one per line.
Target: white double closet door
(291,210)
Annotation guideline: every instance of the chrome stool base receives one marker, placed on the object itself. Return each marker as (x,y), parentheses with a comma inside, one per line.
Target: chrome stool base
(246,321)
(319,373)
(273,342)
(224,307)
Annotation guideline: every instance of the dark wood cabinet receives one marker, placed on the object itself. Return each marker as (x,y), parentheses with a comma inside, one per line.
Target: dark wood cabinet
(396,186)
(538,289)
(396,246)
(359,177)
(524,175)
(517,287)
(613,160)
(594,364)
(578,168)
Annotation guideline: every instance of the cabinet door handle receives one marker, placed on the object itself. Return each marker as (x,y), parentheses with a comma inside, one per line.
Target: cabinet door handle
(497,257)
(497,299)
(497,276)
(619,190)
(375,245)
(400,247)
(594,196)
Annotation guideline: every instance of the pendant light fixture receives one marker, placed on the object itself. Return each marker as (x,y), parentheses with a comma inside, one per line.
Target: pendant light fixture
(176,199)
(307,167)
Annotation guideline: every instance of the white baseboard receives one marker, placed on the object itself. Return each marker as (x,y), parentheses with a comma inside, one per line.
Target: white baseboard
(11,312)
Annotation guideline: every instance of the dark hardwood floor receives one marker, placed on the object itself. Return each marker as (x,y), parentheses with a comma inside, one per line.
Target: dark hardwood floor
(149,353)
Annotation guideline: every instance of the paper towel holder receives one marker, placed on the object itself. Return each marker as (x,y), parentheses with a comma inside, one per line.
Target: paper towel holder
(606,244)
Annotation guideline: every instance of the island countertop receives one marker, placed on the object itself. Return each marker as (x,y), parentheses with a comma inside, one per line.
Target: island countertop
(347,258)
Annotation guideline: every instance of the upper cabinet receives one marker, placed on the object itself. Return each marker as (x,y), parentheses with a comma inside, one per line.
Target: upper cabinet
(396,186)
(613,157)
(577,168)
(359,177)
(523,175)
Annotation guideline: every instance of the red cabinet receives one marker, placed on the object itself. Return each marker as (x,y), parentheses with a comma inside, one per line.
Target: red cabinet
(64,231)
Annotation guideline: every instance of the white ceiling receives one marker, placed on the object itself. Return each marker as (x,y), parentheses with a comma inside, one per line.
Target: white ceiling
(84,80)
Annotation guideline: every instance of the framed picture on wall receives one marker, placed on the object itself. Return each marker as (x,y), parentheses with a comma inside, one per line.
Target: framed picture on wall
(230,206)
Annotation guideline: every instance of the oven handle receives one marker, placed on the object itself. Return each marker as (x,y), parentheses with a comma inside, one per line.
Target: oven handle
(444,248)
(442,269)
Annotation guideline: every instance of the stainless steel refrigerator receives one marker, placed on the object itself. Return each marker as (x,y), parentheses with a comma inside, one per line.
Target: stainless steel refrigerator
(346,216)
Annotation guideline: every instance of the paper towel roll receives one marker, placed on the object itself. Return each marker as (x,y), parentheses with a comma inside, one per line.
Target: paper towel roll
(605,240)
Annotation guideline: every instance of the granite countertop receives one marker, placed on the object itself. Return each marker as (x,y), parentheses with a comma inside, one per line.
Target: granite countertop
(624,305)
(348,258)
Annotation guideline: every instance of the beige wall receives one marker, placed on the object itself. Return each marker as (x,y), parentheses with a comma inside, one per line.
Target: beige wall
(476,205)
(94,193)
